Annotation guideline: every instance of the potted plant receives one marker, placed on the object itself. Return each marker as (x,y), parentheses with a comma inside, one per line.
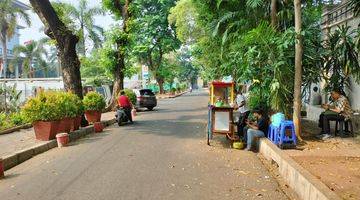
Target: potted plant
(94,103)
(79,113)
(69,104)
(44,112)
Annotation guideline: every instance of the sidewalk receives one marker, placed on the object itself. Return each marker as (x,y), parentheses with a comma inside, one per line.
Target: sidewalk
(335,162)
(25,138)
(169,96)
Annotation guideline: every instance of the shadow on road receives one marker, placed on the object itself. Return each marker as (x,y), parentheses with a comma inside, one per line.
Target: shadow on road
(170,128)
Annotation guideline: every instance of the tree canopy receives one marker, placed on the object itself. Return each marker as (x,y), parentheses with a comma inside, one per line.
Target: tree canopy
(154,35)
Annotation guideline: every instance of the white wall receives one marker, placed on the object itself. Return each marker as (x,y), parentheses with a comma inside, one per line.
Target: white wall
(27,87)
(354,95)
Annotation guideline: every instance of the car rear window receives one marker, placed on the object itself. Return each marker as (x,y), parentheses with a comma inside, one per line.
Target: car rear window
(146,93)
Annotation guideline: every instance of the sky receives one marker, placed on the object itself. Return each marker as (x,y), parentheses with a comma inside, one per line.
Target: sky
(34,32)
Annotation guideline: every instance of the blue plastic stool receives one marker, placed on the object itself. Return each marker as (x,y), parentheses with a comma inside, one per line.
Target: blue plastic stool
(273,133)
(282,138)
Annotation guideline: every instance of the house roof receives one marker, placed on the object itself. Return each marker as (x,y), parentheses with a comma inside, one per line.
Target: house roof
(21,5)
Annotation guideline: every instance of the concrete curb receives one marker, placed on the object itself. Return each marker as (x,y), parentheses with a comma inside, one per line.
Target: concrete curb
(174,96)
(306,185)
(17,158)
(16,128)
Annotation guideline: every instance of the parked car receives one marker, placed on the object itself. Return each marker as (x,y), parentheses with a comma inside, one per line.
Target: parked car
(145,99)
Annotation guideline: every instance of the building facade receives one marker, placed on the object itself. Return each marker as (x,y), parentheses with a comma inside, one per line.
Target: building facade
(333,17)
(13,71)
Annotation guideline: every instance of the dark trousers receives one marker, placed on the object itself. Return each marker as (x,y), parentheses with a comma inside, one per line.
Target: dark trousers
(128,113)
(241,123)
(324,121)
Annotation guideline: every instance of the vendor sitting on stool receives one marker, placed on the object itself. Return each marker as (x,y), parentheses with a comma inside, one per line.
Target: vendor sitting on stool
(258,129)
(339,109)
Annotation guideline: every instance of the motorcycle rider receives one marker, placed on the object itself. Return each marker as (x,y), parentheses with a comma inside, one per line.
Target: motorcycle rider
(125,103)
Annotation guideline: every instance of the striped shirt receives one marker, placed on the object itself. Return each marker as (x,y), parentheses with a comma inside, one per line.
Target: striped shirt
(344,106)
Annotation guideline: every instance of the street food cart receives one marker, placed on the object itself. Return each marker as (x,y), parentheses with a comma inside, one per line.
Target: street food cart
(220,115)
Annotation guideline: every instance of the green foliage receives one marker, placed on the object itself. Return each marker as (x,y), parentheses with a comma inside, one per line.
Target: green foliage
(12,101)
(94,101)
(355,5)
(131,95)
(80,19)
(91,66)
(173,90)
(100,66)
(258,98)
(4,122)
(235,38)
(33,50)
(9,18)
(17,119)
(188,70)
(9,15)
(44,107)
(70,103)
(154,35)
(183,16)
(341,59)
(114,6)
(51,106)
(114,48)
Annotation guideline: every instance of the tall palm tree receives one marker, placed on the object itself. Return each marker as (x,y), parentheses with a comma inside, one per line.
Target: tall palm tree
(83,16)
(33,51)
(8,21)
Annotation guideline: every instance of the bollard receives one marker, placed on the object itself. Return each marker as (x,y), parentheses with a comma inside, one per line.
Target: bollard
(1,168)
(98,127)
(62,139)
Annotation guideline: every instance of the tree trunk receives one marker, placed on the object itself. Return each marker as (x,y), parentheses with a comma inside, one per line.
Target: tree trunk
(82,41)
(31,70)
(274,19)
(65,42)
(5,59)
(298,69)
(71,66)
(118,83)
(160,81)
(119,73)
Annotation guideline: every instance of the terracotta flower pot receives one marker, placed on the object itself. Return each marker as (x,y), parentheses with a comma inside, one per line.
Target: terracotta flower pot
(62,139)
(65,125)
(76,124)
(2,169)
(98,127)
(93,116)
(45,131)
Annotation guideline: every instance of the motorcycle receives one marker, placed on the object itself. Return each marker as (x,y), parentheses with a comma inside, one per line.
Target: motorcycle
(121,116)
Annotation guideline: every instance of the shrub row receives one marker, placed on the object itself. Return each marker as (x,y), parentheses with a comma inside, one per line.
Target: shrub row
(11,120)
(56,105)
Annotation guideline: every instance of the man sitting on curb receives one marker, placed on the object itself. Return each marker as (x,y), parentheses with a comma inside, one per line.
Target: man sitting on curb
(339,109)
(256,130)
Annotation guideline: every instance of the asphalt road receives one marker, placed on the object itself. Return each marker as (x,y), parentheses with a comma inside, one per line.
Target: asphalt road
(162,156)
